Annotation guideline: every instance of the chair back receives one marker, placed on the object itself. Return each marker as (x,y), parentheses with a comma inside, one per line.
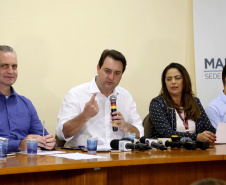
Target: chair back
(147,126)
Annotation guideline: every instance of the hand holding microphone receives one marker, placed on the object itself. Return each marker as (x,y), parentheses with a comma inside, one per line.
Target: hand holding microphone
(117,117)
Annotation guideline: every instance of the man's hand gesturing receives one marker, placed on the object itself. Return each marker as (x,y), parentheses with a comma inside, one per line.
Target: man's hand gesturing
(91,108)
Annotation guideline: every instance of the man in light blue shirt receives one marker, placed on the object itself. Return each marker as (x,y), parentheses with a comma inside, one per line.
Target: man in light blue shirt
(216,110)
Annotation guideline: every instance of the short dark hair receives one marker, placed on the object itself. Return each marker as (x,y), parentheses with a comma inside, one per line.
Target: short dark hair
(224,75)
(5,48)
(116,55)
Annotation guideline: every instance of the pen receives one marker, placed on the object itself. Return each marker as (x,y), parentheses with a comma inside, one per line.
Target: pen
(81,146)
(43,133)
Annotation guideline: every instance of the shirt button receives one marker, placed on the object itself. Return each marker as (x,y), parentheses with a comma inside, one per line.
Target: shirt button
(10,118)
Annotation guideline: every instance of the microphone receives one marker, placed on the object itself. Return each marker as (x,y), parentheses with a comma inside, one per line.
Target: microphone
(152,142)
(189,144)
(126,145)
(142,139)
(178,142)
(202,144)
(123,146)
(138,146)
(168,142)
(186,139)
(155,144)
(115,144)
(134,141)
(113,109)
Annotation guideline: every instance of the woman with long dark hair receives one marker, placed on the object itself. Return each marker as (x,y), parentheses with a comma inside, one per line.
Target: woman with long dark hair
(176,111)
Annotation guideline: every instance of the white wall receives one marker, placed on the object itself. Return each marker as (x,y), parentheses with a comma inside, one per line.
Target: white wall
(59,43)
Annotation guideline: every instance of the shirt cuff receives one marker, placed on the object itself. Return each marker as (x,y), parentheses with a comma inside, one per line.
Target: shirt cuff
(13,145)
(59,133)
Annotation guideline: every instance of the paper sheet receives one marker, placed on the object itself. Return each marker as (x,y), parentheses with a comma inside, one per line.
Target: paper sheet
(77,156)
(221,133)
(44,152)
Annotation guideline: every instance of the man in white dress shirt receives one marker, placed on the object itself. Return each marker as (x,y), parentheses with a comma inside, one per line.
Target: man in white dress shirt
(86,109)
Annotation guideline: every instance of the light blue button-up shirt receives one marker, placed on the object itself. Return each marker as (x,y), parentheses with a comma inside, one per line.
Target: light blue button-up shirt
(216,110)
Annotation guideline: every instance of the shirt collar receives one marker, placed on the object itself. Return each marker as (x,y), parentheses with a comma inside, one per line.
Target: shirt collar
(223,97)
(95,89)
(12,92)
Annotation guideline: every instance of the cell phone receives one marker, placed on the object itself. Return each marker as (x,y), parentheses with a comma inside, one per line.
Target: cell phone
(116,151)
(98,150)
(103,150)
(71,148)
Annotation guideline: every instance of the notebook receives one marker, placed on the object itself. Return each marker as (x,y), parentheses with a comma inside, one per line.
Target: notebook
(221,133)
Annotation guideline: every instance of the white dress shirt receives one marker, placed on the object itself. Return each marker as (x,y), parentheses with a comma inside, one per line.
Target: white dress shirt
(99,125)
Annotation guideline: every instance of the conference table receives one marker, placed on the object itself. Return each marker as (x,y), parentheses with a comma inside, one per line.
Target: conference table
(172,166)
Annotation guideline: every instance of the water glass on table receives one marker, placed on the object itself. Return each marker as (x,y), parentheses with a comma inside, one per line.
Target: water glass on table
(92,145)
(32,145)
(3,148)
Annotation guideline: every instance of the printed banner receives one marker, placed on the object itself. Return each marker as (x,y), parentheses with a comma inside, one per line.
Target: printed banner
(209,18)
